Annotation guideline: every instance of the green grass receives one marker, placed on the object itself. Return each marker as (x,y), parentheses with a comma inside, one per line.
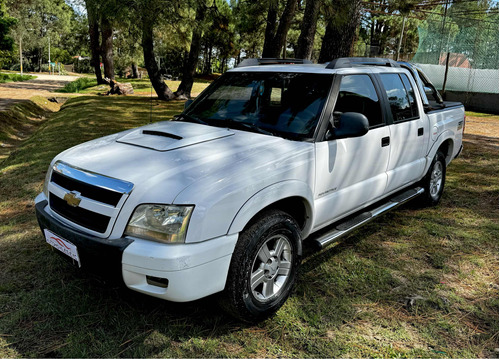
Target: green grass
(22,118)
(351,299)
(88,86)
(14,78)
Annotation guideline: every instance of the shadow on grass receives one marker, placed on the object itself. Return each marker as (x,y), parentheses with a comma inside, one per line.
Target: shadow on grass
(350,300)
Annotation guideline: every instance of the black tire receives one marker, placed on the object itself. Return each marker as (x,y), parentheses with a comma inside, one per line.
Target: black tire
(256,290)
(434,180)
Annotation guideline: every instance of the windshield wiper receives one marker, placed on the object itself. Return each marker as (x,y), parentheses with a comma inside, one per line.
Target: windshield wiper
(189,119)
(230,123)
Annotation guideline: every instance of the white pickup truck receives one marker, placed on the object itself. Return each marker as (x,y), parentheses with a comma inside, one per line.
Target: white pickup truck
(274,152)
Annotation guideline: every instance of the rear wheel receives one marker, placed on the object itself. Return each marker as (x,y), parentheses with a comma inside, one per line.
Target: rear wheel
(433,182)
(263,267)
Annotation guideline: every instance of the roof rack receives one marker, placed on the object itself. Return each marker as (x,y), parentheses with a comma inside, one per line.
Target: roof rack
(346,62)
(271,61)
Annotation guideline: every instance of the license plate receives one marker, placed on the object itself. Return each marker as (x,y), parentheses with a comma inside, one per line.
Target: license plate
(62,245)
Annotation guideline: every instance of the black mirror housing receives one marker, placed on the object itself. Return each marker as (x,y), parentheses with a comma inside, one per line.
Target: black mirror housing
(351,124)
(428,91)
(187,103)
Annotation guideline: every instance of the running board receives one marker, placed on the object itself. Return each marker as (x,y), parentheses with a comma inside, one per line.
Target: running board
(343,228)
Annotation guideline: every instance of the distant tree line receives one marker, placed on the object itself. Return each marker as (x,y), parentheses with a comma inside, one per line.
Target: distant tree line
(183,38)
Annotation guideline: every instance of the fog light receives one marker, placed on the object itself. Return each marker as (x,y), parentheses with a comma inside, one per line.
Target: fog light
(157,282)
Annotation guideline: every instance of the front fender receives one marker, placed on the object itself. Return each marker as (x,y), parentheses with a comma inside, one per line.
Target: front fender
(270,195)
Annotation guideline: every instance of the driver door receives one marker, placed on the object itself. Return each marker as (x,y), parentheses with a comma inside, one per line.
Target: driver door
(351,172)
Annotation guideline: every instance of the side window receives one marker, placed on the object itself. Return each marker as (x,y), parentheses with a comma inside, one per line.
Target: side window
(398,97)
(411,95)
(357,94)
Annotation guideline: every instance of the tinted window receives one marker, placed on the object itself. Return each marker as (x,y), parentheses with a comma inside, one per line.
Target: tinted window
(411,95)
(285,104)
(357,94)
(398,97)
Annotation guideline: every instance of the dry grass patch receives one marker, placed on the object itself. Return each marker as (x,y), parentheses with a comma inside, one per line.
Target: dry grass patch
(481,124)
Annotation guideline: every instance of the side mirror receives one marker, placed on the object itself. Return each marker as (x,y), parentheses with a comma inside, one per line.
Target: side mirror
(350,124)
(433,94)
(187,103)
(428,91)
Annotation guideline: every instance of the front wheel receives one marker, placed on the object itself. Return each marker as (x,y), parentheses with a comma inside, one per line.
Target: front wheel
(434,180)
(263,267)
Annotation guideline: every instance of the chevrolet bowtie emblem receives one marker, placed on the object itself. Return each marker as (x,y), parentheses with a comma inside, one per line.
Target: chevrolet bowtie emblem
(73,198)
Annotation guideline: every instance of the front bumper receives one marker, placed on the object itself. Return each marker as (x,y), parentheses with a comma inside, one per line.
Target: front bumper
(96,254)
(175,272)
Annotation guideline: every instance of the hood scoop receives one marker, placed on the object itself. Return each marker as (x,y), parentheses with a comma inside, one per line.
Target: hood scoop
(164,134)
(167,136)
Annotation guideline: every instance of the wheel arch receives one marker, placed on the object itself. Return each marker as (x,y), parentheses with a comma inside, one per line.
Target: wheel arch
(445,144)
(292,197)
(446,148)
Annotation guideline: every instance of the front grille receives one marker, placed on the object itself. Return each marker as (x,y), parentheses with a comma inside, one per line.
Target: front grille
(88,219)
(97,199)
(96,193)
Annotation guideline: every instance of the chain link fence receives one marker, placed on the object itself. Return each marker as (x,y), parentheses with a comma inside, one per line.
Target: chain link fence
(460,56)
(456,45)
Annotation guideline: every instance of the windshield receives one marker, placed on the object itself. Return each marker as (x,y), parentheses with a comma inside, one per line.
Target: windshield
(281,104)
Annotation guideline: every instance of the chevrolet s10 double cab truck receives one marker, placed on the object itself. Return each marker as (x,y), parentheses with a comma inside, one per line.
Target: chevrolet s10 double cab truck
(221,198)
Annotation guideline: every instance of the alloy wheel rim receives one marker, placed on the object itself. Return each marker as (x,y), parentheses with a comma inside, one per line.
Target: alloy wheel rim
(436,180)
(271,268)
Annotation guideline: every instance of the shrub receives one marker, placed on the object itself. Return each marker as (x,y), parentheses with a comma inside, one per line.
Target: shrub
(78,85)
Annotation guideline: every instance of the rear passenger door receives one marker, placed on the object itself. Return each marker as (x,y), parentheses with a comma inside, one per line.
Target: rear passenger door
(352,171)
(407,132)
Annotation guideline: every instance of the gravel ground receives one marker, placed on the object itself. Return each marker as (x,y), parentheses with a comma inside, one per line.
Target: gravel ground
(43,85)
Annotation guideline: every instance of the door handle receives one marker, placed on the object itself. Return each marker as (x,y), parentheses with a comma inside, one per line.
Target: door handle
(421,131)
(386,141)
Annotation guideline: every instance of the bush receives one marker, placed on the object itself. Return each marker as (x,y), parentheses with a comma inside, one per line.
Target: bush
(15,78)
(78,85)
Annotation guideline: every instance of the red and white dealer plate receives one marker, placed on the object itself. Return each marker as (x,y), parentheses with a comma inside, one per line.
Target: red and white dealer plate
(62,245)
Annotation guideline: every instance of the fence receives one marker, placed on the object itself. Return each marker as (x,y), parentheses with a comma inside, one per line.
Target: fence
(458,49)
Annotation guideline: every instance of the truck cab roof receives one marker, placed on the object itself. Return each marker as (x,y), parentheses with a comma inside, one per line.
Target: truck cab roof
(304,66)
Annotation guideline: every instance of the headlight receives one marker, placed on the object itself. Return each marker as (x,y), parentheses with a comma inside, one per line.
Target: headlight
(163,223)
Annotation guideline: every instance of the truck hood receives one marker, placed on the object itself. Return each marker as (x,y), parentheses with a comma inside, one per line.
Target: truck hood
(167,136)
(163,159)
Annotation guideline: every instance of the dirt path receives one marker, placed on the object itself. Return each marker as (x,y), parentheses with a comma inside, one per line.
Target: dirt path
(43,85)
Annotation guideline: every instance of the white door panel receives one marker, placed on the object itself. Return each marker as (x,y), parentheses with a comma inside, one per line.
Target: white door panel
(407,158)
(349,173)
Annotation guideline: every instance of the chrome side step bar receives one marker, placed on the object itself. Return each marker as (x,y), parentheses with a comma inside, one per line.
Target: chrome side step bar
(343,228)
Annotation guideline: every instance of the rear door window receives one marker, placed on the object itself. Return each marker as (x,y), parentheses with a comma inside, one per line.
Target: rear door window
(411,95)
(403,105)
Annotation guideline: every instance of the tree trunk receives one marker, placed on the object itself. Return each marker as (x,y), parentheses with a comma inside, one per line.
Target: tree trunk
(275,42)
(107,48)
(40,60)
(209,63)
(272,17)
(135,71)
(284,26)
(117,88)
(95,50)
(340,34)
(161,88)
(305,42)
(189,70)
